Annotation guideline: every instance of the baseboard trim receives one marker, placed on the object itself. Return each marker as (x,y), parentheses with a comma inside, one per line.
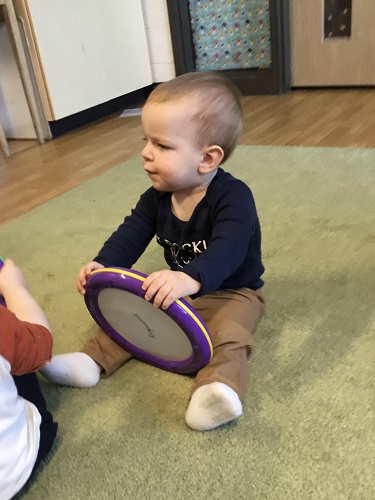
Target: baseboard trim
(90,115)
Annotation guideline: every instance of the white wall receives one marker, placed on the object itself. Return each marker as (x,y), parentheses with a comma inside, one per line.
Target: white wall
(100,53)
(14,112)
(159,40)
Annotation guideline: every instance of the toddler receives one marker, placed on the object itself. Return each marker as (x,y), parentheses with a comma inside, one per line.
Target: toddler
(27,430)
(207,224)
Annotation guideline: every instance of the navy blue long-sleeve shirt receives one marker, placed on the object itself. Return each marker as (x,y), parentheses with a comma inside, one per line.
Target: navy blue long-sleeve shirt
(220,246)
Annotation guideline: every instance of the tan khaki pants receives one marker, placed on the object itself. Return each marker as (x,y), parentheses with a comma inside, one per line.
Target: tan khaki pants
(231,317)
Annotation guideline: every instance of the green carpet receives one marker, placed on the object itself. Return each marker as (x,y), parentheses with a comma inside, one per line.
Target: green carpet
(308,426)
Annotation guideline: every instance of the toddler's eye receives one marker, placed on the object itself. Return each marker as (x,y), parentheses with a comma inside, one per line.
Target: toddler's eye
(162,146)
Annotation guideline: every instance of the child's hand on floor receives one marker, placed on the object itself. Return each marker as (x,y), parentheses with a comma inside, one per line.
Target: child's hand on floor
(167,286)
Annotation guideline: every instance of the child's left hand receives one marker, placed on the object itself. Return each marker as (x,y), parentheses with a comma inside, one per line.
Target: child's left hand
(167,286)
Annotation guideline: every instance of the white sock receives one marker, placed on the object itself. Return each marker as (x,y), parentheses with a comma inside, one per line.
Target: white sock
(212,405)
(76,369)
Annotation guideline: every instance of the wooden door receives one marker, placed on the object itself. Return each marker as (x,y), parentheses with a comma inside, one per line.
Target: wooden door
(323,61)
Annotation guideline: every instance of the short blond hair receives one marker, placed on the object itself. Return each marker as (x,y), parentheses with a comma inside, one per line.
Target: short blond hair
(217,116)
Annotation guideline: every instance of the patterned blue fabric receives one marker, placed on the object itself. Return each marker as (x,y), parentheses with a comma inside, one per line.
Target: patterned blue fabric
(231,34)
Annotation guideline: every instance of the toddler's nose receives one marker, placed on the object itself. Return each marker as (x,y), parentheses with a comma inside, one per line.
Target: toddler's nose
(146,153)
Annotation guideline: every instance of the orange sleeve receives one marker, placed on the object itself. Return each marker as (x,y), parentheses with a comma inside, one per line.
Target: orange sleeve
(25,345)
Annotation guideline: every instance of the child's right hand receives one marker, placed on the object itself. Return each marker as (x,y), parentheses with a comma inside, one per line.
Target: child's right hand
(83,274)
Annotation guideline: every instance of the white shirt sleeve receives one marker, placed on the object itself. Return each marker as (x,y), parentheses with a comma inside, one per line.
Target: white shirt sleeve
(19,435)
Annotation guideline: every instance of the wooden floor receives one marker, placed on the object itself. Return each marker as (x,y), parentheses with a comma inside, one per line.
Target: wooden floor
(37,173)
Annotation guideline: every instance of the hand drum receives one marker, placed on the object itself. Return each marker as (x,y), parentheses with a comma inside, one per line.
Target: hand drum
(175,340)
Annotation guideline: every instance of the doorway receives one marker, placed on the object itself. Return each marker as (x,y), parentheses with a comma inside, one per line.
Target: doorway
(332,43)
(266,72)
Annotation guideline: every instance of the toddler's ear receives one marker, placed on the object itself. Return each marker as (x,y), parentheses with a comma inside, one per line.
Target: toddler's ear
(211,159)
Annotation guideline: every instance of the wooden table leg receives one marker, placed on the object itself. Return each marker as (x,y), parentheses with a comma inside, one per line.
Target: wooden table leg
(4,142)
(15,35)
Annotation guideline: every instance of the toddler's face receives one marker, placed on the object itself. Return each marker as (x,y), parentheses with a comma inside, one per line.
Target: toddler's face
(170,157)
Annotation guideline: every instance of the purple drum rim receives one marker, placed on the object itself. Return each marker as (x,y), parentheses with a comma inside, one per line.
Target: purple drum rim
(2,300)
(180,312)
